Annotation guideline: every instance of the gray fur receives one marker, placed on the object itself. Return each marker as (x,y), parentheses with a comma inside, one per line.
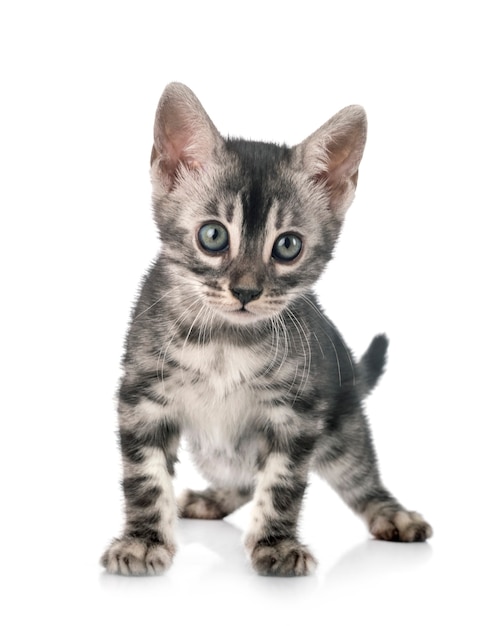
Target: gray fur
(231,350)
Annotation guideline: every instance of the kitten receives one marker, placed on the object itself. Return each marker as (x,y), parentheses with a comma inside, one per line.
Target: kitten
(229,347)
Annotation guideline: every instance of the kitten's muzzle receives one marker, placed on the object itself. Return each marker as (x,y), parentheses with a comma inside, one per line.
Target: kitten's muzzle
(246,295)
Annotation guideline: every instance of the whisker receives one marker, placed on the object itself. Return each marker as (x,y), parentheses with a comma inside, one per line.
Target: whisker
(307,356)
(288,337)
(281,325)
(190,281)
(162,355)
(274,346)
(339,336)
(167,293)
(199,313)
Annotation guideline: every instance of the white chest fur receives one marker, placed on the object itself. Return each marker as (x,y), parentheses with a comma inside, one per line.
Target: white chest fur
(223,369)
(216,403)
(212,393)
(222,400)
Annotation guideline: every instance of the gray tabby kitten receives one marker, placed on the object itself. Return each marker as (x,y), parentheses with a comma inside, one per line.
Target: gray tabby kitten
(229,347)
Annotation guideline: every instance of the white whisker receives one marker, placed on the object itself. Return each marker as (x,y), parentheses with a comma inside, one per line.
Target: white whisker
(298,325)
(162,355)
(199,313)
(337,333)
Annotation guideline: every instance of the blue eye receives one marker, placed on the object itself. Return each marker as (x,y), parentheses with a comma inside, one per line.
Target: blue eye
(287,247)
(213,238)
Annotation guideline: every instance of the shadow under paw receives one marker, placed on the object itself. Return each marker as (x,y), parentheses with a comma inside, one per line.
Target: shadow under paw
(286,558)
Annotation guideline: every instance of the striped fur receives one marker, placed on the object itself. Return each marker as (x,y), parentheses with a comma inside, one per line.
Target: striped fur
(230,350)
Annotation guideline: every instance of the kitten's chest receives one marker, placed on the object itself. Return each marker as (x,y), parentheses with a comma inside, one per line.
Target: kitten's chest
(219,369)
(213,387)
(221,396)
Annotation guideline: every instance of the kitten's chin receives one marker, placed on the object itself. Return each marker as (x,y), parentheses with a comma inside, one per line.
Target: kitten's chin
(243,317)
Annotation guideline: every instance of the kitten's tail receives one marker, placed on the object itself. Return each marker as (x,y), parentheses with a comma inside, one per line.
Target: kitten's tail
(372,363)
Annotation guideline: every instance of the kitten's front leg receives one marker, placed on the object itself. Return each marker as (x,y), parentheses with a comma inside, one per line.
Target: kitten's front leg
(272,541)
(149,449)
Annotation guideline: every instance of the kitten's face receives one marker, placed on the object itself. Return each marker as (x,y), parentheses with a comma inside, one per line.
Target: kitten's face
(248,236)
(247,227)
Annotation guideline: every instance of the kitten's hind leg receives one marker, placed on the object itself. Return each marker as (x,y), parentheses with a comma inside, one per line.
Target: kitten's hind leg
(212,503)
(347,461)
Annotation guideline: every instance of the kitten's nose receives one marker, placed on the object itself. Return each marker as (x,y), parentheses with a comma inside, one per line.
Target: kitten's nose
(246,295)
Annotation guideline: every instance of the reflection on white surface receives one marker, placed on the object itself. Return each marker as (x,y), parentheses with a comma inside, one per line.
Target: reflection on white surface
(373,560)
(80,82)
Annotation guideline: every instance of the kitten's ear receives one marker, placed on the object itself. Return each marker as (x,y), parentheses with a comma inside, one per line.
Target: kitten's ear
(332,154)
(184,135)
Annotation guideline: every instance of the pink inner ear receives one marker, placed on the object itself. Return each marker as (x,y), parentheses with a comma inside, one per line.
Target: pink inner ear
(343,158)
(335,174)
(184,137)
(332,154)
(173,148)
(337,162)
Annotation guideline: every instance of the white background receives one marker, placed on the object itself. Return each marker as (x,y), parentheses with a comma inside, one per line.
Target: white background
(79,85)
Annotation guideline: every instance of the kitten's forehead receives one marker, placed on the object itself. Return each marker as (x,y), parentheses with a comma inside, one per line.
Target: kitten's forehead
(259,176)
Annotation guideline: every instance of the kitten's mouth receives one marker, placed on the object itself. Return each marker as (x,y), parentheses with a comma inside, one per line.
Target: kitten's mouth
(244,312)
(241,315)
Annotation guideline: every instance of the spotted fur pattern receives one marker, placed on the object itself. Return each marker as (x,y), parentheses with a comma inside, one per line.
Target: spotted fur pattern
(229,348)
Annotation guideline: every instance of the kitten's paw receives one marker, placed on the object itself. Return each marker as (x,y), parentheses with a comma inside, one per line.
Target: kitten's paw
(406,526)
(212,503)
(133,557)
(286,558)
(200,505)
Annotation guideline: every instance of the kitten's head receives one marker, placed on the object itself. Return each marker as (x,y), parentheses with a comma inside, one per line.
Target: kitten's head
(247,227)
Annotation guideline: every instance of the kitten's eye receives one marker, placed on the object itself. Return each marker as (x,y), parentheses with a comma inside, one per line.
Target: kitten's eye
(213,238)
(287,247)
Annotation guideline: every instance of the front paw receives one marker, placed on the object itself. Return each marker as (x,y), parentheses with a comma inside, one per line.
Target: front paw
(406,526)
(134,557)
(285,558)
